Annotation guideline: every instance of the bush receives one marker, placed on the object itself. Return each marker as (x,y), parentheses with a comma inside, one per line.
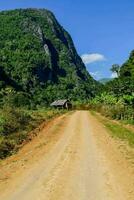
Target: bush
(113,107)
(16,124)
(6,148)
(12,120)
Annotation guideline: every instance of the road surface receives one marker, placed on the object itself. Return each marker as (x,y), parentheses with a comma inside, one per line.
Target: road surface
(74,158)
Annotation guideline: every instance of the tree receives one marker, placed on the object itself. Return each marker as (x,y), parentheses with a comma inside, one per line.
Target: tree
(116,69)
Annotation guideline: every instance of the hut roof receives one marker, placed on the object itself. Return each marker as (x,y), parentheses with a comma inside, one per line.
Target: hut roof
(59,102)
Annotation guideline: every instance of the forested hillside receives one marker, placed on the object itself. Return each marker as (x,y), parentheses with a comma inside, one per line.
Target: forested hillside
(38,60)
(117,96)
(124,84)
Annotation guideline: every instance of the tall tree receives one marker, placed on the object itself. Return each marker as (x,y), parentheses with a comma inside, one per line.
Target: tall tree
(116,69)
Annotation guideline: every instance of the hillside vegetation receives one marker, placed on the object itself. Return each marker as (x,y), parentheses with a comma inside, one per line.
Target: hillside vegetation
(17,125)
(38,60)
(116,99)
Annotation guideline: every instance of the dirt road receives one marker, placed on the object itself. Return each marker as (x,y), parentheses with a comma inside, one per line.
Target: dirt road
(74,158)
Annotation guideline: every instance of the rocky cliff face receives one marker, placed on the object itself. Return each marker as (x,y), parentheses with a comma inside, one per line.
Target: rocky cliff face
(39,55)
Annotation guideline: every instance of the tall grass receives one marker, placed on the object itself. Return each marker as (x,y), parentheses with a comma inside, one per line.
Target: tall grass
(17,123)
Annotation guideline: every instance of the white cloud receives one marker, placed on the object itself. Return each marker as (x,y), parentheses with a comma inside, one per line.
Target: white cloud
(94,57)
(114,75)
(96,75)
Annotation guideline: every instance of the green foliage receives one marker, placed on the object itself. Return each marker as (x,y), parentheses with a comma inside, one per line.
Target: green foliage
(124,84)
(120,108)
(12,124)
(16,125)
(105,80)
(38,64)
(116,69)
(118,130)
(6,148)
(38,60)
(117,98)
(121,132)
(12,120)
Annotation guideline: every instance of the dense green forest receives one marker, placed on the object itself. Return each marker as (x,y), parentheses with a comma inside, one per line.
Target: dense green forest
(38,60)
(116,99)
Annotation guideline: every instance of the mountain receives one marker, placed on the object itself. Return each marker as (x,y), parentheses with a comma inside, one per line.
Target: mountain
(105,80)
(38,57)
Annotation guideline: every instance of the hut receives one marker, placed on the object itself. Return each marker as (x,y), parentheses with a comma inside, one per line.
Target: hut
(62,104)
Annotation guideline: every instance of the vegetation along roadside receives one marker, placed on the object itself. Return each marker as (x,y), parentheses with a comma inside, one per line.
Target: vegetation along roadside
(16,125)
(117,130)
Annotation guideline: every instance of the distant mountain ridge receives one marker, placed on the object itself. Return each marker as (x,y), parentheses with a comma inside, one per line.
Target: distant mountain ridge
(105,80)
(39,56)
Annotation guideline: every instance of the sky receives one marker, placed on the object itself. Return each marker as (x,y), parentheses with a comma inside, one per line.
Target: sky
(102,30)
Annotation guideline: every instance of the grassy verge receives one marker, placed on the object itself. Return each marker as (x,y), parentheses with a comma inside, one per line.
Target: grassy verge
(117,130)
(16,126)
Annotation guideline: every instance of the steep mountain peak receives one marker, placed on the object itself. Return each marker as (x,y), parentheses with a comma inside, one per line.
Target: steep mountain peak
(37,52)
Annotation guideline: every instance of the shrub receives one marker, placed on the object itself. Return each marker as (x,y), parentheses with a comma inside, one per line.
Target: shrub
(6,148)
(116,108)
(12,120)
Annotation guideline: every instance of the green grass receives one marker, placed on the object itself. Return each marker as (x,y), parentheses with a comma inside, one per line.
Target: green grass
(117,130)
(120,132)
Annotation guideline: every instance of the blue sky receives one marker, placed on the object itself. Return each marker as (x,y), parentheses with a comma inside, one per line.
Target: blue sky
(102,30)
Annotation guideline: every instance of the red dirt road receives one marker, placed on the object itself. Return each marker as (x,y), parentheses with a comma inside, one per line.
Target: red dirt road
(73,158)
